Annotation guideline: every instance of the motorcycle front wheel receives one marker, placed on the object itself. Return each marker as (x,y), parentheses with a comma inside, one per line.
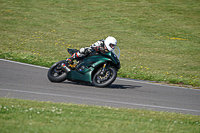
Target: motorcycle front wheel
(56,74)
(106,78)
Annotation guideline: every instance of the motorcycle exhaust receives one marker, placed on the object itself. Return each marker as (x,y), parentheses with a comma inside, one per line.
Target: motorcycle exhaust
(65,68)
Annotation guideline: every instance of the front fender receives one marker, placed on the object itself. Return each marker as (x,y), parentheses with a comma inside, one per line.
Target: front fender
(100,62)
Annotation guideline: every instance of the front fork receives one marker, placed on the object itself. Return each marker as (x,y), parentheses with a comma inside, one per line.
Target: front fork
(104,75)
(103,69)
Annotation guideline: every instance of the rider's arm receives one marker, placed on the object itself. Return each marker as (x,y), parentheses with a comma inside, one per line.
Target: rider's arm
(97,46)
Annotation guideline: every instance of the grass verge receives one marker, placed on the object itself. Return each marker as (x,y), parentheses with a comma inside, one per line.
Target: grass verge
(33,116)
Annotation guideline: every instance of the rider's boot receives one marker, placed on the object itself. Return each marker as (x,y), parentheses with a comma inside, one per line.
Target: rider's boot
(70,60)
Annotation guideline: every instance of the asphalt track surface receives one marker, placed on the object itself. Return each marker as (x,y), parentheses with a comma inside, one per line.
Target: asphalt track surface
(25,81)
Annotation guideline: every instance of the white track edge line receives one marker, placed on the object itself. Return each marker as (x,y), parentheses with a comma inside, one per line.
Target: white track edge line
(24,64)
(100,100)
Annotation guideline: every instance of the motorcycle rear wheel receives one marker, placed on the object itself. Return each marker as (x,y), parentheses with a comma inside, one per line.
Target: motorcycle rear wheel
(106,79)
(56,74)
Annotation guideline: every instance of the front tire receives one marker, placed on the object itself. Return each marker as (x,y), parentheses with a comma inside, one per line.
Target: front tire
(56,74)
(103,80)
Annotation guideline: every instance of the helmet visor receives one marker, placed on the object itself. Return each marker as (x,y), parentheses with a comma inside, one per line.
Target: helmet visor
(112,45)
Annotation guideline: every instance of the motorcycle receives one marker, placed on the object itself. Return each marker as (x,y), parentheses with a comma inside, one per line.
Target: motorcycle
(96,68)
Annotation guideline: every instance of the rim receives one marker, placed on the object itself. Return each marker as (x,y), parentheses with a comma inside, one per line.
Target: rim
(103,78)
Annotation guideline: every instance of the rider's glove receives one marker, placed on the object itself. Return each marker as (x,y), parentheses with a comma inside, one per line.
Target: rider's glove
(101,49)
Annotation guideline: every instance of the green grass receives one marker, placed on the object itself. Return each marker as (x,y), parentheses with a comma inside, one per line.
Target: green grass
(33,116)
(159,39)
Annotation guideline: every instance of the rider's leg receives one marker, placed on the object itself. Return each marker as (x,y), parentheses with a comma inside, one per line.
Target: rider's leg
(74,56)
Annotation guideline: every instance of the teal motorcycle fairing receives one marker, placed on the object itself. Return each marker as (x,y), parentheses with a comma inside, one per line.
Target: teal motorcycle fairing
(84,70)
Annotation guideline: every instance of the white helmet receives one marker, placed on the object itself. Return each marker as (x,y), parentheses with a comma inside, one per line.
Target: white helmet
(110,43)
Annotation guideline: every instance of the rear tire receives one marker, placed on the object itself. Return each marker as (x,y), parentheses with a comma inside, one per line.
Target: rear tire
(106,79)
(56,74)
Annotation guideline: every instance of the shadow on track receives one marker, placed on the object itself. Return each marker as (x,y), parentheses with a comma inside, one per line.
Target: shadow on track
(117,86)
(112,86)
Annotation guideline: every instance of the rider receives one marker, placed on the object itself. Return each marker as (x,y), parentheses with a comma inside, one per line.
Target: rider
(102,46)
